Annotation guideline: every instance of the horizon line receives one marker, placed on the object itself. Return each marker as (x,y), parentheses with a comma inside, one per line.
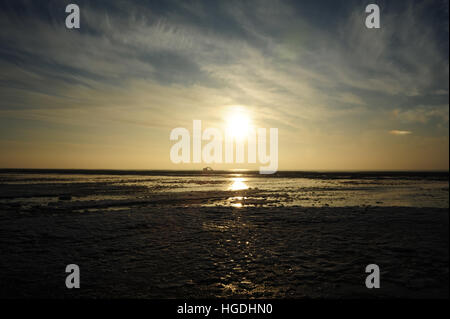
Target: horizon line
(233,170)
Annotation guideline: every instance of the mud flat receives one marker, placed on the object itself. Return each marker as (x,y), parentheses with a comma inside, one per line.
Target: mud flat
(209,252)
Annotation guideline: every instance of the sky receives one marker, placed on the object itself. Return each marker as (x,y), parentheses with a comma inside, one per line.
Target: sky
(107,95)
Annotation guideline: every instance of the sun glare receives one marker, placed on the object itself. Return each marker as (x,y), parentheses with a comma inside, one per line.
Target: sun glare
(238,123)
(238,184)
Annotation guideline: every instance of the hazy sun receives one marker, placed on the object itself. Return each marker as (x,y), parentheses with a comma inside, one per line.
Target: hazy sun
(238,123)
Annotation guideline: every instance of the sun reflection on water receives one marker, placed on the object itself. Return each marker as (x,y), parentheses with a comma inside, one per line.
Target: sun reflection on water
(238,184)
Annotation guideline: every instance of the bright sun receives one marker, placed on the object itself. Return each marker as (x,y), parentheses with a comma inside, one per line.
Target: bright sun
(238,123)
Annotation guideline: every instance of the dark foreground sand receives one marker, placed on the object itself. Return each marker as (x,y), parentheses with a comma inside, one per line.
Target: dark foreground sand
(166,252)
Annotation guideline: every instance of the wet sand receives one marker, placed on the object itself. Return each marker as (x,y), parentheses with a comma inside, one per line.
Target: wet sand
(162,251)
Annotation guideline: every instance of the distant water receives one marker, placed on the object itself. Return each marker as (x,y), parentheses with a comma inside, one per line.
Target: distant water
(121,189)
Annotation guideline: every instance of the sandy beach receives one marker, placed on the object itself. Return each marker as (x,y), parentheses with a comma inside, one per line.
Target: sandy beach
(226,252)
(186,235)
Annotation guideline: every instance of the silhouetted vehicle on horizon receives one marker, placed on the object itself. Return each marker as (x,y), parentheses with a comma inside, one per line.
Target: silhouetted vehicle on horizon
(207,170)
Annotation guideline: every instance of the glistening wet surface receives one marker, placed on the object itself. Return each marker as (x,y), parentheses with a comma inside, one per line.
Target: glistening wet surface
(226,252)
(186,235)
(224,189)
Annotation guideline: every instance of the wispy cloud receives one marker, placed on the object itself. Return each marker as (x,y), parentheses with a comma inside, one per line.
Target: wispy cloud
(424,114)
(398,132)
